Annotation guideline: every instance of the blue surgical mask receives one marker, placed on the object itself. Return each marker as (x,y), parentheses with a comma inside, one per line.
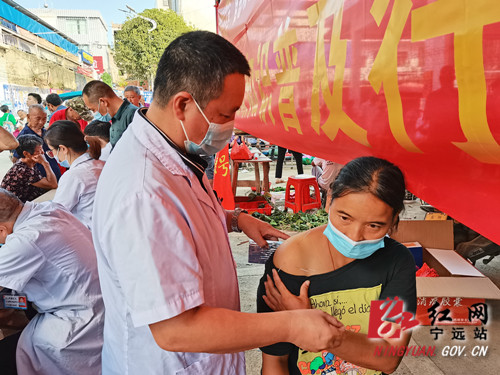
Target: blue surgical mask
(103,118)
(64,163)
(350,248)
(100,117)
(216,138)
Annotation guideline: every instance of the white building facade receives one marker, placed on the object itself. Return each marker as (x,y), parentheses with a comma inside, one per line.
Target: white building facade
(198,13)
(87,27)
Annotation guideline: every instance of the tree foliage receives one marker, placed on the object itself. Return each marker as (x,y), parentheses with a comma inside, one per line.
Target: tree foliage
(106,78)
(137,52)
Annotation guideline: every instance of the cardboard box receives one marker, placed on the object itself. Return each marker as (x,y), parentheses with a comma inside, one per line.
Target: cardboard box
(460,291)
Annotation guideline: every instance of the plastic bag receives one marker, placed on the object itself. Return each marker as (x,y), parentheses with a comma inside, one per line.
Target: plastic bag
(241,152)
(426,271)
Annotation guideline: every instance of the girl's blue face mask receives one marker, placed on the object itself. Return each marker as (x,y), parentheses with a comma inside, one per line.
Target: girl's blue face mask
(64,163)
(349,248)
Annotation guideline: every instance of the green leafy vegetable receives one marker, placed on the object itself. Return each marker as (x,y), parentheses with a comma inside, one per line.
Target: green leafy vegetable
(299,221)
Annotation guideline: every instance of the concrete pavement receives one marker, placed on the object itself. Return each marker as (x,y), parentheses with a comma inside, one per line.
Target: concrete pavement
(5,163)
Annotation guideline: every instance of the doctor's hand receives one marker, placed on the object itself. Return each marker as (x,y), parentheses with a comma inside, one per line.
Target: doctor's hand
(279,298)
(314,330)
(258,230)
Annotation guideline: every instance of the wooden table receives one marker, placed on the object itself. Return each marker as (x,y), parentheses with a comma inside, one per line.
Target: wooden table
(257,183)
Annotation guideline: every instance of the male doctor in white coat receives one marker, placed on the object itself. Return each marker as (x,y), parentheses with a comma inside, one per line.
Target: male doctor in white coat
(47,256)
(167,273)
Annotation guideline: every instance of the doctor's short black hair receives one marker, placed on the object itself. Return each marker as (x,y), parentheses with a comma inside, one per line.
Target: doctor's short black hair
(197,62)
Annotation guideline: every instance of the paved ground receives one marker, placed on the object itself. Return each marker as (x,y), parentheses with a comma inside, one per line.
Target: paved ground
(5,163)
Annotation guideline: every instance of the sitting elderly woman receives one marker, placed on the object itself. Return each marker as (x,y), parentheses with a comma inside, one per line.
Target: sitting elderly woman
(340,268)
(23,179)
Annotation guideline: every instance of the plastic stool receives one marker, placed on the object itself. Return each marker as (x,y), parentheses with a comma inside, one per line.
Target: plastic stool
(302,200)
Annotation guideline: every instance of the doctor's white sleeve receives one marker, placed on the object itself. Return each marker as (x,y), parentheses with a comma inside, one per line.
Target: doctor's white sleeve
(149,247)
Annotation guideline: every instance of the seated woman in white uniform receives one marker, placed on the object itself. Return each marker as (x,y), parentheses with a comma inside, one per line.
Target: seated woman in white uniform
(77,186)
(49,258)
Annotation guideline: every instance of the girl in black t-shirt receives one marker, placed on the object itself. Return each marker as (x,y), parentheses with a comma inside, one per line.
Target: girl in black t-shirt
(341,268)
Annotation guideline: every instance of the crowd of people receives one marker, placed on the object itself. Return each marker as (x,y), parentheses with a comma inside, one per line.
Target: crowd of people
(130,268)
(47,250)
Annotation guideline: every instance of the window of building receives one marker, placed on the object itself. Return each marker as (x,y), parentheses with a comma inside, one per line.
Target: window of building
(26,46)
(47,55)
(9,39)
(174,5)
(76,26)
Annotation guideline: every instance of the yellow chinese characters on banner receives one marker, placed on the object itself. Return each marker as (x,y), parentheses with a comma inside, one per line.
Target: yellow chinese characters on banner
(413,81)
(428,21)
(286,60)
(337,118)
(465,19)
(385,67)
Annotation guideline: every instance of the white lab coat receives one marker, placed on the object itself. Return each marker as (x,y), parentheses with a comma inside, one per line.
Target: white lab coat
(77,187)
(50,257)
(106,151)
(162,248)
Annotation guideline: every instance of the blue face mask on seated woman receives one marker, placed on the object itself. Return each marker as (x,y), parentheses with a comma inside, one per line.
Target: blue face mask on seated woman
(350,248)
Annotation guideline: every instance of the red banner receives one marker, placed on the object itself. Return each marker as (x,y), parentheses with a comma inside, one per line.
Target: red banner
(415,82)
(98,64)
(85,71)
(222,179)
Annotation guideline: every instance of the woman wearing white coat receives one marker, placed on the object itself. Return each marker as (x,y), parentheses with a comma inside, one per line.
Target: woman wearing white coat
(77,186)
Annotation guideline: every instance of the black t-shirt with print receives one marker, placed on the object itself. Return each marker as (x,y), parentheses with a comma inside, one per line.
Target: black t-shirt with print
(346,293)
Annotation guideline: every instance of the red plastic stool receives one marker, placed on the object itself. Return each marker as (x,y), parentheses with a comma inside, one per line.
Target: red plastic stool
(302,199)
